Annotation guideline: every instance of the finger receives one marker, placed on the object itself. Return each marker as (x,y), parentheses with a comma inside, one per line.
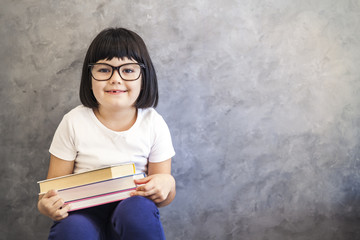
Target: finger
(52,200)
(60,216)
(48,203)
(139,193)
(142,180)
(145,187)
(143,192)
(62,213)
(159,196)
(65,209)
(50,193)
(59,203)
(155,198)
(150,192)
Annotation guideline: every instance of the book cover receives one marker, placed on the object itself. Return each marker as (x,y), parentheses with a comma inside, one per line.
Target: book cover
(91,176)
(99,188)
(99,193)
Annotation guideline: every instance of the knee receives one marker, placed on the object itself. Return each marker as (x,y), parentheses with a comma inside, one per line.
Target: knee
(75,226)
(135,212)
(74,221)
(138,203)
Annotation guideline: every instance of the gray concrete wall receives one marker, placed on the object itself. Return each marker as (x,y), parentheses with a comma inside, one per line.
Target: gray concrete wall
(262,99)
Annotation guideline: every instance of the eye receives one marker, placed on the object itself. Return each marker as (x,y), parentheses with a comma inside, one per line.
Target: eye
(103,70)
(128,70)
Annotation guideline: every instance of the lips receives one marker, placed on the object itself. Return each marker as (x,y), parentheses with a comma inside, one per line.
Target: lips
(115,91)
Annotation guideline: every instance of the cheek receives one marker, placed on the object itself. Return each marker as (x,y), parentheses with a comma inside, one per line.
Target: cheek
(96,88)
(136,87)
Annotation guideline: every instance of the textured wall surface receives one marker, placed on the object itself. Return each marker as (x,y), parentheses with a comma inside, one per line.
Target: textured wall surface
(262,99)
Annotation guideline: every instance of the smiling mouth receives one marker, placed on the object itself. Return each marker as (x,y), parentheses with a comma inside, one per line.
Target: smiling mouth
(116,91)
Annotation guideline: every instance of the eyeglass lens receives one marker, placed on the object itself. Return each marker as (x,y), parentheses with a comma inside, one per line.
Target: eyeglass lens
(105,72)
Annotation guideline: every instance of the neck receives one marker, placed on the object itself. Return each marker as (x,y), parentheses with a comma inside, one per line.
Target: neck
(117,120)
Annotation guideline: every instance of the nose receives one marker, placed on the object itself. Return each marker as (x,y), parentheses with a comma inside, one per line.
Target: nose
(115,78)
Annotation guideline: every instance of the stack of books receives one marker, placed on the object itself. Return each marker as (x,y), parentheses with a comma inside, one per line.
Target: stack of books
(95,187)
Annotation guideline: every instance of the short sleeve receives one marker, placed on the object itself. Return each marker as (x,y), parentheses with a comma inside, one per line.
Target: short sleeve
(162,148)
(62,145)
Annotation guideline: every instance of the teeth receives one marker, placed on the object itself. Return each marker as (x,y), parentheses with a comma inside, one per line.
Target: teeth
(118,91)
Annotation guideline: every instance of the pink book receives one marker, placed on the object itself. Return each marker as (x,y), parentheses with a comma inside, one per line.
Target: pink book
(99,193)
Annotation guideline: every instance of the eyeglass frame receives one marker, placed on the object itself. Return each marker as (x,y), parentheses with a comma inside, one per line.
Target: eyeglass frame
(142,66)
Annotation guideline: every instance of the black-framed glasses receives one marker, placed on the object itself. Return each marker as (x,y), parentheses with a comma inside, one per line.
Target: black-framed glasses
(127,71)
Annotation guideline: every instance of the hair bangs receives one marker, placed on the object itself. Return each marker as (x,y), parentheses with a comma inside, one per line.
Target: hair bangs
(116,45)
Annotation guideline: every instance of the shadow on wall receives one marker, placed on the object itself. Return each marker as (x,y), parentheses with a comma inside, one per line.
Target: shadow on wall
(348,214)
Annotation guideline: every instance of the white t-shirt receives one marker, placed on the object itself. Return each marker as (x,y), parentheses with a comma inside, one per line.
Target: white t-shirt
(80,136)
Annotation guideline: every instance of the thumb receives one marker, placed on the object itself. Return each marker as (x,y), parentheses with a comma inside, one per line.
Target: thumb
(142,180)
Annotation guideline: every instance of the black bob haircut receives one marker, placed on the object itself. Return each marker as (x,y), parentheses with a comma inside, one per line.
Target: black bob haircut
(120,43)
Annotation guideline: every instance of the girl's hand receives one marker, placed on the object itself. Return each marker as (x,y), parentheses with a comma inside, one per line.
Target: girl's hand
(52,205)
(155,187)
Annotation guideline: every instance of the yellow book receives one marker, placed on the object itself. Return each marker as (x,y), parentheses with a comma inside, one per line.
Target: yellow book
(83,178)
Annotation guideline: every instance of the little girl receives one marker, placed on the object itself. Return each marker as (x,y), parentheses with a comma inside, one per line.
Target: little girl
(116,123)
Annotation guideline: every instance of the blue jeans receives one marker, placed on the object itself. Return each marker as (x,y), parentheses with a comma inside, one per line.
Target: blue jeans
(131,219)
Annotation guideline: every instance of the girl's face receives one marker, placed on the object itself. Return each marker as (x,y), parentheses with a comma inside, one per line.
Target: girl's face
(116,93)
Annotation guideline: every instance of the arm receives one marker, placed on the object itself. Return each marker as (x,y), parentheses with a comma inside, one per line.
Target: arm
(59,167)
(50,204)
(159,186)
